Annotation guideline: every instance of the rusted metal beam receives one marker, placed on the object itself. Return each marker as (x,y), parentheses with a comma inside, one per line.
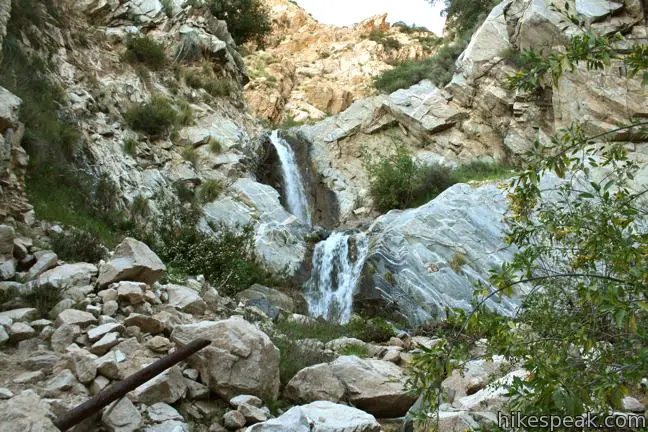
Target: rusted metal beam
(119,389)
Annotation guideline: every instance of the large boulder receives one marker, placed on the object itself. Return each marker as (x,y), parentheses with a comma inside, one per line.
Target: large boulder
(274,297)
(375,386)
(436,253)
(320,416)
(132,261)
(68,275)
(240,360)
(315,383)
(185,299)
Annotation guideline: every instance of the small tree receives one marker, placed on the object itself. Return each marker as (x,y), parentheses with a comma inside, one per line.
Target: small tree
(247,20)
(581,330)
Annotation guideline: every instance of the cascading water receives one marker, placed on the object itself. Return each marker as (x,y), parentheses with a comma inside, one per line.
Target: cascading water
(292,181)
(337,265)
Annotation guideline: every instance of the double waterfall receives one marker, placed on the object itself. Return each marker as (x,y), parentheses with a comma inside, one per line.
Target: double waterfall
(337,261)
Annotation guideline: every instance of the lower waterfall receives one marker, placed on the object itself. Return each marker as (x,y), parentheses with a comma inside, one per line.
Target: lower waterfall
(337,265)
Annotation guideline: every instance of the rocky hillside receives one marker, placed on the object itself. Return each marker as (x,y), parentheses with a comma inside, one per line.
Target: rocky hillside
(309,70)
(143,205)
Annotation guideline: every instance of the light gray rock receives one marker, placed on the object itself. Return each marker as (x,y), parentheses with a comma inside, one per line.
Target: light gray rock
(9,113)
(417,246)
(240,360)
(246,399)
(131,292)
(146,323)
(167,387)
(44,362)
(29,377)
(68,275)
(26,412)
(252,414)
(64,336)
(161,412)
(62,382)
(108,364)
(98,384)
(106,342)
(75,317)
(45,260)
(132,261)
(378,387)
(98,332)
(5,393)
(596,9)
(234,420)
(315,383)
(320,416)
(160,344)
(492,397)
(4,336)
(196,390)
(185,299)
(64,304)
(20,331)
(121,416)
(169,426)
(273,296)
(84,366)
(633,405)
(473,377)
(22,315)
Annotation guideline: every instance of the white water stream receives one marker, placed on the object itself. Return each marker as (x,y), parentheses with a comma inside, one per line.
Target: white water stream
(292,182)
(337,261)
(337,265)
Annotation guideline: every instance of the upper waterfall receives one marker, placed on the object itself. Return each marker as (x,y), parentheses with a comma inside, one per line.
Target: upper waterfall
(291,178)
(337,265)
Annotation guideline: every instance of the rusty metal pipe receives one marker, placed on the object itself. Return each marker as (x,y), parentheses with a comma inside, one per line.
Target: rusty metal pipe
(119,389)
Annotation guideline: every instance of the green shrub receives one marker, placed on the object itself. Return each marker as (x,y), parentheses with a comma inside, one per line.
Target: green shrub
(42,297)
(130,147)
(371,330)
(457,262)
(144,50)
(215,146)
(154,118)
(185,113)
(247,20)
(388,42)
(140,209)
(439,69)
(226,259)
(210,190)
(78,245)
(213,85)
(355,350)
(191,155)
(294,357)
(399,182)
(481,170)
(167,7)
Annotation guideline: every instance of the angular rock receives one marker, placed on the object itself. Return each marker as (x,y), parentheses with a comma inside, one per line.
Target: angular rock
(185,299)
(169,426)
(99,331)
(108,364)
(474,376)
(64,336)
(252,414)
(75,317)
(233,420)
(321,416)
(20,331)
(633,405)
(240,360)
(161,412)
(69,275)
(273,296)
(159,344)
(42,362)
(131,292)
(146,323)
(491,397)
(121,416)
(315,383)
(23,314)
(62,382)
(84,366)
(246,399)
(5,393)
(378,387)
(133,261)
(98,384)
(26,412)
(29,377)
(45,260)
(108,341)
(167,387)
(596,9)
(7,235)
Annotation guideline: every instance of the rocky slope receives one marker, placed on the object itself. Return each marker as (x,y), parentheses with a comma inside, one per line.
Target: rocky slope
(115,316)
(309,70)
